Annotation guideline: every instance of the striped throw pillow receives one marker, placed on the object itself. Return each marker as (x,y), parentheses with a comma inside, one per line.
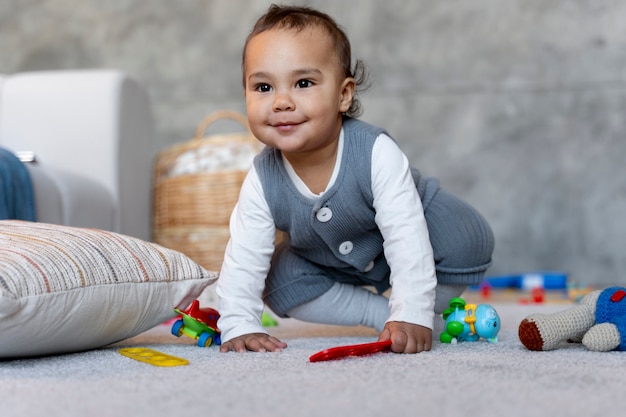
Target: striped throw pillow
(67,289)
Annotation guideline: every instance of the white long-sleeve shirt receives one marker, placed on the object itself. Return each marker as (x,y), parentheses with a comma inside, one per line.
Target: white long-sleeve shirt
(399,216)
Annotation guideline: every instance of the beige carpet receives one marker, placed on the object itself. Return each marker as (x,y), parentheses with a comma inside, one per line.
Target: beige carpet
(476,379)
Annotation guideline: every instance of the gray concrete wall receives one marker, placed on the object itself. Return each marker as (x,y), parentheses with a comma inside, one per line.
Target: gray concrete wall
(516,105)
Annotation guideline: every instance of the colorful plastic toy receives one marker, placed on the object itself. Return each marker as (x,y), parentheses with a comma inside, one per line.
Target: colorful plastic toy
(153,357)
(267,320)
(469,322)
(351,350)
(198,323)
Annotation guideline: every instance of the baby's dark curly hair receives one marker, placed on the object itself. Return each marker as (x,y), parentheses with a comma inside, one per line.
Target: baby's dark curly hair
(299,18)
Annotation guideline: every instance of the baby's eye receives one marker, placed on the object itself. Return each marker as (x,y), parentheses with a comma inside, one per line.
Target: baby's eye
(263,88)
(304,83)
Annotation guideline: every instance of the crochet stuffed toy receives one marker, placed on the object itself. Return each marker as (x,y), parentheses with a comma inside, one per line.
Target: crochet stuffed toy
(598,321)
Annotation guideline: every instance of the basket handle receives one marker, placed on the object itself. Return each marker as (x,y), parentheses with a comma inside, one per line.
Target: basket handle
(222,114)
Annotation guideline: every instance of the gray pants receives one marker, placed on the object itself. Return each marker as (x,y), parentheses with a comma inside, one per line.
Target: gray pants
(462,244)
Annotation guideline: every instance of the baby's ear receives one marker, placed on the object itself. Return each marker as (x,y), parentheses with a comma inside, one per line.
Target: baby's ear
(348,88)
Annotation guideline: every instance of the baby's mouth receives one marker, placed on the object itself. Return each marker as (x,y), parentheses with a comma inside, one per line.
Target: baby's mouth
(286,126)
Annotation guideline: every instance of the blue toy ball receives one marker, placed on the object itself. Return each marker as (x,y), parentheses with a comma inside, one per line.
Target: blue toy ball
(469,322)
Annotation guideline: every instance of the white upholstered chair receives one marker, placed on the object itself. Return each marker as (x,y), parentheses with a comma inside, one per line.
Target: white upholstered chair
(91,132)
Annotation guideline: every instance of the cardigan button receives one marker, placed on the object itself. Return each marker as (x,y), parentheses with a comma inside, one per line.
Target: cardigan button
(369,267)
(346,247)
(324,214)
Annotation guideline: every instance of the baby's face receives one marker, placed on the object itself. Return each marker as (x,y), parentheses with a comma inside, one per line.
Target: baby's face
(295,92)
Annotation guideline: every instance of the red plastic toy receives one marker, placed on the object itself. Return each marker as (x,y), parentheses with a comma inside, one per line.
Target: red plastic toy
(198,323)
(351,350)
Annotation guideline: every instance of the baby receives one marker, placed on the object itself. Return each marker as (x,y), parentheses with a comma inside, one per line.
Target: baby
(354,214)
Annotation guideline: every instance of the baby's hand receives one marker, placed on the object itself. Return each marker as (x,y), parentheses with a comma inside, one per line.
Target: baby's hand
(407,337)
(256,342)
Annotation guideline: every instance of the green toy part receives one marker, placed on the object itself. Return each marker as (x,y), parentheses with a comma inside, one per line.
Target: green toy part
(456,303)
(267,320)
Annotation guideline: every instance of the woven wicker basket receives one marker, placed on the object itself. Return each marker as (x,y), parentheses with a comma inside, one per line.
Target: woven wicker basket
(191,211)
